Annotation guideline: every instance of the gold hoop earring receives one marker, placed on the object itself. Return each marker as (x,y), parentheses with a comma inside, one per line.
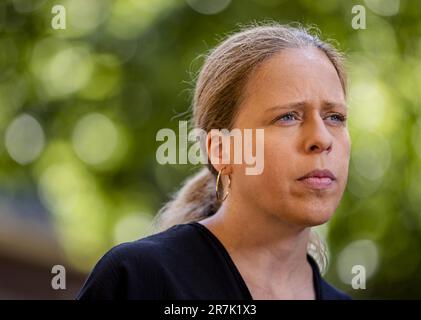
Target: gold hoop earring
(217,186)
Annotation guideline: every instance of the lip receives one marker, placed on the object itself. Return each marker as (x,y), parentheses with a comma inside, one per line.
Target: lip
(318,179)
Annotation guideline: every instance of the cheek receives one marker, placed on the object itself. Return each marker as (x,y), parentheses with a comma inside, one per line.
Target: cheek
(344,153)
(277,168)
(340,162)
(277,149)
(279,163)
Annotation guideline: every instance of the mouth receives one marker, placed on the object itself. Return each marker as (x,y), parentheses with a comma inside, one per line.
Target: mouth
(318,179)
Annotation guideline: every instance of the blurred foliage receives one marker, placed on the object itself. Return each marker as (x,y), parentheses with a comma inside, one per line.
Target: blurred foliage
(80,108)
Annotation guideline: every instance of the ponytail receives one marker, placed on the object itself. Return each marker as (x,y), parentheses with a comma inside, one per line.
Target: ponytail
(195,201)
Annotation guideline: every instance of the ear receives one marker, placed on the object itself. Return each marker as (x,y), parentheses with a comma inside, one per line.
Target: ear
(218,151)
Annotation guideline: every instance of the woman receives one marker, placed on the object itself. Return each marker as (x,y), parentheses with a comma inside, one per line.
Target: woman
(229,235)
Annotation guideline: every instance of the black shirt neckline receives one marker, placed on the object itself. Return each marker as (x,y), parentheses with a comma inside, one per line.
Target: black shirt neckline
(237,274)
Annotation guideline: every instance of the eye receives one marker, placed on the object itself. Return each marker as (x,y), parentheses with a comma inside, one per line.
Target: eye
(287,117)
(338,117)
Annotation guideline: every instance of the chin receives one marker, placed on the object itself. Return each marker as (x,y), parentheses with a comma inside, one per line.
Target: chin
(305,213)
(315,216)
(311,216)
(313,222)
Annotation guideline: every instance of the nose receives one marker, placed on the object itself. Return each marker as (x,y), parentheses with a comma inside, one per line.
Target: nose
(317,137)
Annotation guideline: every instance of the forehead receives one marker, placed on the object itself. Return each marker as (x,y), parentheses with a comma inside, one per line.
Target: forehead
(295,75)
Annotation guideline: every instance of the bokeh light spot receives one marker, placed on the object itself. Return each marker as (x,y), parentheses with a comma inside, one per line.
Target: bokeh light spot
(24,139)
(95,138)
(360,252)
(208,6)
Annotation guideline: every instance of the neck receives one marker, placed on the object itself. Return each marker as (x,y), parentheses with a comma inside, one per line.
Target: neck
(263,247)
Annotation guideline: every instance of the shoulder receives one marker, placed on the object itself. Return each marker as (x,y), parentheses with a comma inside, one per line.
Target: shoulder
(156,247)
(329,292)
(142,261)
(325,291)
(152,247)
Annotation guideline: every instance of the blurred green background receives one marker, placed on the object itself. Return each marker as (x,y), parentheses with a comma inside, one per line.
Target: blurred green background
(80,108)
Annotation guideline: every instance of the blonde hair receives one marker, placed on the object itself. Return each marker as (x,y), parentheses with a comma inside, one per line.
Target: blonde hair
(219,91)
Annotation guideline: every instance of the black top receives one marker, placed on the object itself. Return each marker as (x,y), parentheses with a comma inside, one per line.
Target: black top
(186,261)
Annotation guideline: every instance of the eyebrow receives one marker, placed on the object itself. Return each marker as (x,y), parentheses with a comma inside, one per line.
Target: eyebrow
(326,105)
